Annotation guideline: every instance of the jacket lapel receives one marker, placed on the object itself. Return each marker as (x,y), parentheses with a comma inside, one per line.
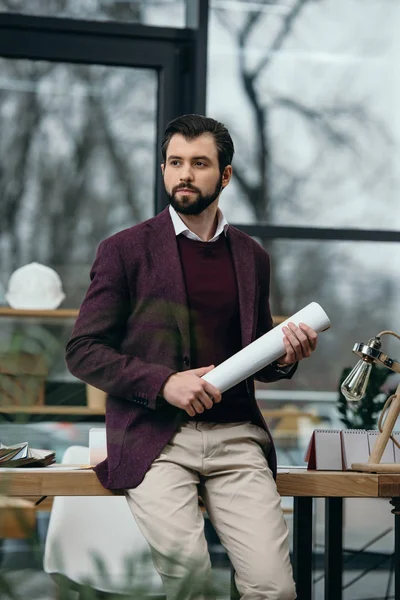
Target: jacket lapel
(166,257)
(244,261)
(169,272)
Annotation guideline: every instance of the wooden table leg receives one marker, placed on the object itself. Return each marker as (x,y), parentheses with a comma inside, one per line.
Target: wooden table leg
(333,548)
(302,546)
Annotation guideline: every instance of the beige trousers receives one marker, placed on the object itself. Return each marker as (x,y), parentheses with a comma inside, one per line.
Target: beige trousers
(226,465)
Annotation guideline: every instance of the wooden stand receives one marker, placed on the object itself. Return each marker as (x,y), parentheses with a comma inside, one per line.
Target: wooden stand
(374,465)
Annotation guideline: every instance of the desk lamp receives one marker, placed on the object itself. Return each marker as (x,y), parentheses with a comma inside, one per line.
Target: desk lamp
(353,388)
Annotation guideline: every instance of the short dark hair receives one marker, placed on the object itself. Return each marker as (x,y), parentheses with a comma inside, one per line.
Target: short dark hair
(192,126)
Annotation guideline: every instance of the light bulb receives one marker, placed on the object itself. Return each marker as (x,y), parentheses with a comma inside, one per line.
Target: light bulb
(354,386)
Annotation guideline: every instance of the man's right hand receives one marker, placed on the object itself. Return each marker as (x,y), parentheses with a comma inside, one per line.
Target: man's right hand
(188,391)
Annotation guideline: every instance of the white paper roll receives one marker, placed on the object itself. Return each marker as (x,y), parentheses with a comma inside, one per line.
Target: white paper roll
(265,350)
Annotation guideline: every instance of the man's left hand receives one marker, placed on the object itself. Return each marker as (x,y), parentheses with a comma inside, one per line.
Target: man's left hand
(299,343)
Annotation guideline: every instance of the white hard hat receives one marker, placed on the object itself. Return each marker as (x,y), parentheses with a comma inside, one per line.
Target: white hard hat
(34,287)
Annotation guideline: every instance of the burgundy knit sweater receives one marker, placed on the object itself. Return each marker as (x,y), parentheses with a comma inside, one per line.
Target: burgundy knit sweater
(213,301)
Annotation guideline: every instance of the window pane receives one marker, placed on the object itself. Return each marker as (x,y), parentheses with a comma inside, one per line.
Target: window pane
(148,12)
(358,286)
(313,110)
(77,159)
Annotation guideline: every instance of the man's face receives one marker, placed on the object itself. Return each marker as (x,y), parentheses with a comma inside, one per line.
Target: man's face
(191,172)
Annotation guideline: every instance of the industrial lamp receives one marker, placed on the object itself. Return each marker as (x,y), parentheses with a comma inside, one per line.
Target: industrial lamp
(353,388)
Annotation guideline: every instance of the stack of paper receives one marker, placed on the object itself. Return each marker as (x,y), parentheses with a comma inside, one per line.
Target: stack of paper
(20,455)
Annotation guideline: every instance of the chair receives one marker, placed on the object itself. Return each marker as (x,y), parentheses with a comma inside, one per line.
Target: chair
(95,541)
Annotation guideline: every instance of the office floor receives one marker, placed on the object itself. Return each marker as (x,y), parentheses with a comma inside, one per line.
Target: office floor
(31,584)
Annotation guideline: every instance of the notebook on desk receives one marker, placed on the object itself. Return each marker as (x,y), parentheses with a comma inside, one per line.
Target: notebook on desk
(336,450)
(355,447)
(388,454)
(324,450)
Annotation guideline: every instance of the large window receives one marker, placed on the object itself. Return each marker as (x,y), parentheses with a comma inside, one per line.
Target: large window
(313,115)
(83,104)
(313,111)
(356,283)
(77,151)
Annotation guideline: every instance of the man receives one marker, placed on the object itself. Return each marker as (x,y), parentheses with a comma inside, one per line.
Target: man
(170,299)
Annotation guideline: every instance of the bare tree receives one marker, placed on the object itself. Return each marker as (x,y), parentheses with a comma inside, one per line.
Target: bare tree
(53,208)
(276,184)
(76,158)
(301,271)
(101,9)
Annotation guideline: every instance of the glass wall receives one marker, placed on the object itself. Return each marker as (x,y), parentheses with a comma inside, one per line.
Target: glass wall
(146,12)
(80,119)
(313,109)
(311,99)
(357,284)
(77,152)
(310,93)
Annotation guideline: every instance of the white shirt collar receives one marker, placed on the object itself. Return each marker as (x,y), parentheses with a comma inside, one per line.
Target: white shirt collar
(180,226)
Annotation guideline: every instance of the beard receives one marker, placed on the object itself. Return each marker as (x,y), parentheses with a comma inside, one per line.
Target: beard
(188,205)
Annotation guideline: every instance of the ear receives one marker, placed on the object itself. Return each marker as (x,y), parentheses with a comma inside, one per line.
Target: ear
(226,176)
(162,168)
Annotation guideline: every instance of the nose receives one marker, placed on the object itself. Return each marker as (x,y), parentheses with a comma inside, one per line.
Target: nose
(186,173)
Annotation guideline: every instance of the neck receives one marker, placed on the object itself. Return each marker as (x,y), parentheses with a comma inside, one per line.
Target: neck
(205,224)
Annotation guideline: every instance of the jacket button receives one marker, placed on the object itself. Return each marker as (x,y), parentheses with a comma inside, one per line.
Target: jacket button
(186,361)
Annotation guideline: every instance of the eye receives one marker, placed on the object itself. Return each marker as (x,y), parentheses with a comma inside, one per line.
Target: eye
(174,163)
(200,163)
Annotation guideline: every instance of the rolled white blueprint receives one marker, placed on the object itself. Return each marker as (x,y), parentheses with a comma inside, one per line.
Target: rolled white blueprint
(264,350)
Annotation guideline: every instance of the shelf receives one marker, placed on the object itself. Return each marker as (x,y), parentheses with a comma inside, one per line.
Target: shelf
(51,410)
(67,313)
(60,313)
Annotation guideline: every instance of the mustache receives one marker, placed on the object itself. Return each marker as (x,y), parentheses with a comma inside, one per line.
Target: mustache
(185,186)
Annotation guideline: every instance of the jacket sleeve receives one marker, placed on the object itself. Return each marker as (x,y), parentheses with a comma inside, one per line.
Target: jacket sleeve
(264,322)
(92,352)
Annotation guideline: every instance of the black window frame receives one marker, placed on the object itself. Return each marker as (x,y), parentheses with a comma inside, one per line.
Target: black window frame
(179,56)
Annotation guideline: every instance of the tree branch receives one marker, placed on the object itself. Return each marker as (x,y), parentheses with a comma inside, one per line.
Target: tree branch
(121,167)
(226,21)
(320,117)
(281,35)
(238,174)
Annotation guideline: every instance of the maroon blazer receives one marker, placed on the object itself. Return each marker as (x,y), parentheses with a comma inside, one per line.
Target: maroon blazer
(132,332)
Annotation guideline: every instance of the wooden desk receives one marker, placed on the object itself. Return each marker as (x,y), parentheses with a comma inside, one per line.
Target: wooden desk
(296,483)
(302,485)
